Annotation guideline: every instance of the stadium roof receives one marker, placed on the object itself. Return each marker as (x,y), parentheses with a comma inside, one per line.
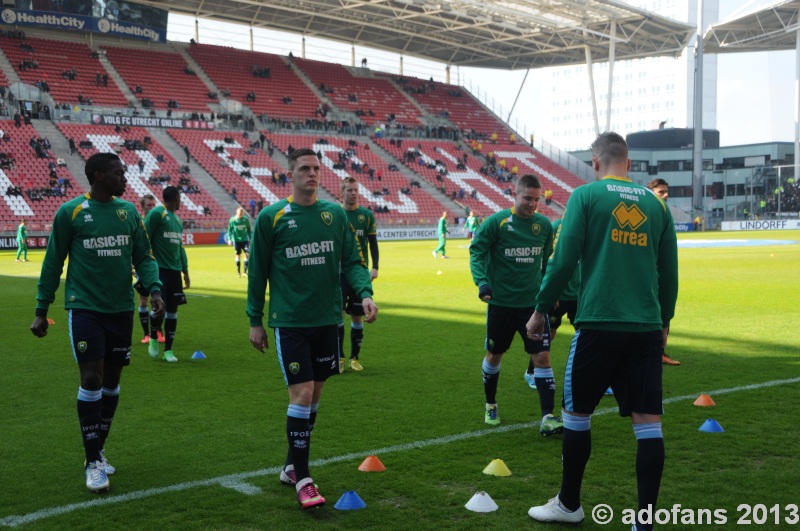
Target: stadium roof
(764,28)
(502,34)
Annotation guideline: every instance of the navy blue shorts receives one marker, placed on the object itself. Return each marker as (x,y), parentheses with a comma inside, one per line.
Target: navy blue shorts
(171,287)
(240,247)
(503,322)
(308,354)
(628,362)
(570,308)
(100,336)
(351,302)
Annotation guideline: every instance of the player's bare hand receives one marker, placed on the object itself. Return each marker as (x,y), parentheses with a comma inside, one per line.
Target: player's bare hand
(370,310)
(158,304)
(664,335)
(39,326)
(186,282)
(535,326)
(373,274)
(258,338)
(230,243)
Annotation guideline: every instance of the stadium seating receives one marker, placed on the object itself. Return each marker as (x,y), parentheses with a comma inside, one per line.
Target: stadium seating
(226,167)
(55,58)
(490,196)
(104,138)
(454,103)
(162,78)
(232,69)
(418,208)
(375,94)
(553,176)
(30,173)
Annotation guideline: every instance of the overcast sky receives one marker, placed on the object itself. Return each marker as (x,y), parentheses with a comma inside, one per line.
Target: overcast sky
(755,91)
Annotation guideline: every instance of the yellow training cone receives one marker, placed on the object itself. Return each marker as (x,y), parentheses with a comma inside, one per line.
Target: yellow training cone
(497,468)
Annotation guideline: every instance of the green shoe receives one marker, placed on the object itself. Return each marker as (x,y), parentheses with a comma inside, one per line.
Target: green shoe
(491,418)
(169,357)
(551,425)
(152,348)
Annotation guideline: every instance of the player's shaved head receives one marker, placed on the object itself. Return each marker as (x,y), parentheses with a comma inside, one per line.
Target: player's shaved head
(610,148)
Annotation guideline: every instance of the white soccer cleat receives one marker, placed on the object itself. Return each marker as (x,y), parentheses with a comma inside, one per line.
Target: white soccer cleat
(107,468)
(553,512)
(104,464)
(96,478)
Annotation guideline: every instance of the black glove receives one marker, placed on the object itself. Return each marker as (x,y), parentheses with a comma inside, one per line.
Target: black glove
(484,291)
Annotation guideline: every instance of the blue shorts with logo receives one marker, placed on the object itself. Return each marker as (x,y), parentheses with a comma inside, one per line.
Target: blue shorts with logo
(308,354)
(503,322)
(100,336)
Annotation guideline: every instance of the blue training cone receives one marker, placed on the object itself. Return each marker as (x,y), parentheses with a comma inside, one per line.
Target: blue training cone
(198,355)
(711,426)
(350,501)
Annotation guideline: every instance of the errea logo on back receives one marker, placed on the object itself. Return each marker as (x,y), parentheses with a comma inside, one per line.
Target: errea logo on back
(629,217)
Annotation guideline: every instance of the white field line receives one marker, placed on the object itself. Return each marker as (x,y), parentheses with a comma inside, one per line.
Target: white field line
(238,483)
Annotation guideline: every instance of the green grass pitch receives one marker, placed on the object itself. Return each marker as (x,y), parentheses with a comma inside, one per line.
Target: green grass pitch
(196,444)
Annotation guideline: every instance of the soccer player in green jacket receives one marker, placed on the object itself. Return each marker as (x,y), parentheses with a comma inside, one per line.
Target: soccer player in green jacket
(567,305)
(22,241)
(660,187)
(148,203)
(166,236)
(239,233)
(299,245)
(507,258)
(102,235)
(363,222)
(471,225)
(441,232)
(624,238)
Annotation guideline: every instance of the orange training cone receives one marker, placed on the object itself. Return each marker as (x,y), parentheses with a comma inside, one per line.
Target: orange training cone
(372,464)
(704,401)
(50,321)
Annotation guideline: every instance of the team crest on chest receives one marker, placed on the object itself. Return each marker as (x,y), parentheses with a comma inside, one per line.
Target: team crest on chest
(536,228)
(122,214)
(327,218)
(362,218)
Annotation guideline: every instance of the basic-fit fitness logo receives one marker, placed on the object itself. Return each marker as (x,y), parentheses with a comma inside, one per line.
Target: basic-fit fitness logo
(629,218)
